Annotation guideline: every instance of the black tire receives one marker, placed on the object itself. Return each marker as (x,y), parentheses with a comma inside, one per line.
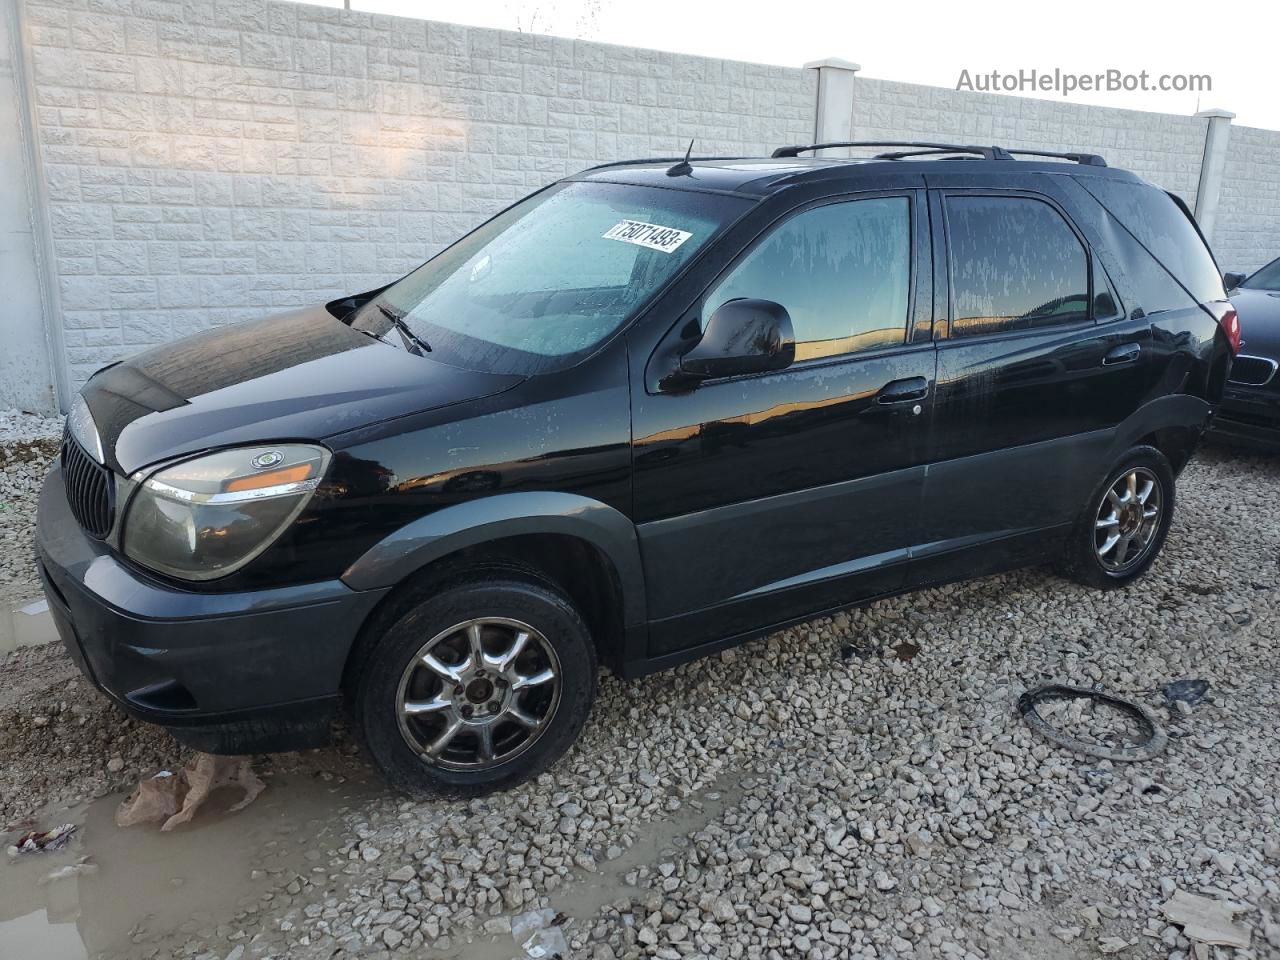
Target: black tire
(376,689)
(1082,562)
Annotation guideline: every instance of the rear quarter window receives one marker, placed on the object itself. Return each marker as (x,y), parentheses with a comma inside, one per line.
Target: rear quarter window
(1161,226)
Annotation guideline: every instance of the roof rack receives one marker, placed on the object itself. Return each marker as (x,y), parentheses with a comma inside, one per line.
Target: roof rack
(928,149)
(1088,159)
(902,154)
(987,153)
(640,160)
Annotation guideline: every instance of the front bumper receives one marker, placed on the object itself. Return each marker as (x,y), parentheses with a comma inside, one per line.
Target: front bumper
(225,672)
(1248,416)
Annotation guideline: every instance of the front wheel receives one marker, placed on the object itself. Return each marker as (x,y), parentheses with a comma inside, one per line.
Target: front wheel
(1125,523)
(476,687)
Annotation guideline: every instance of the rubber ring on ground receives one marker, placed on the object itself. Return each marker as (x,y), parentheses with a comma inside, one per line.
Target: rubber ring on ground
(1155,738)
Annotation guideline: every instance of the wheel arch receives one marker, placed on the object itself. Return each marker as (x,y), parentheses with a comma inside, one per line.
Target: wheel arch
(1172,424)
(1177,443)
(583,547)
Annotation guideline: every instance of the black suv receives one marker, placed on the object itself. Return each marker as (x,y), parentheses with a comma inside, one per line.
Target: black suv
(651,410)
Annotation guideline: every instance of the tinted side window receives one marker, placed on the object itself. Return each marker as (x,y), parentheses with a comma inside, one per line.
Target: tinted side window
(841,270)
(1160,226)
(1015,264)
(1152,286)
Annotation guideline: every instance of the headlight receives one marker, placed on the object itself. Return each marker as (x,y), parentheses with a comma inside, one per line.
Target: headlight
(208,517)
(81,426)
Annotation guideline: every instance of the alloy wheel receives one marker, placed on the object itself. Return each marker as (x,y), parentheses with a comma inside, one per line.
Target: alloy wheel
(1127,520)
(479,693)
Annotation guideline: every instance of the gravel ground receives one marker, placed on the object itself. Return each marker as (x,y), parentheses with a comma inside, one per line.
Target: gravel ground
(27,444)
(858,786)
(16,427)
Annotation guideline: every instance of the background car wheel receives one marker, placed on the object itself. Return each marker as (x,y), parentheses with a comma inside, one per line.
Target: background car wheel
(475,687)
(1125,522)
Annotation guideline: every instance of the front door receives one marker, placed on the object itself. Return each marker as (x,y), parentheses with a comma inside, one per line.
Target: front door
(766,498)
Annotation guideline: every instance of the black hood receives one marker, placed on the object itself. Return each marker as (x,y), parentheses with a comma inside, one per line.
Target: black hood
(1259,312)
(299,376)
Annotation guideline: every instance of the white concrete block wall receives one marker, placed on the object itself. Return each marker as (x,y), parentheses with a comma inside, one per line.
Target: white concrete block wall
(209,162)
(1247,225)
(1164,148)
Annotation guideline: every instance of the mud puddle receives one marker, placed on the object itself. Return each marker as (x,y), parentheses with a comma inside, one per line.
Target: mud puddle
(582,898)
(151,887)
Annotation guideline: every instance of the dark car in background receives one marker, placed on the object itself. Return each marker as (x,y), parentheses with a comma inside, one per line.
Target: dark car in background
(653,410)
(1249,414)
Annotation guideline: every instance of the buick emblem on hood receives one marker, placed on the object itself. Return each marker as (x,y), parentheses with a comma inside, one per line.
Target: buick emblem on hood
(265,460)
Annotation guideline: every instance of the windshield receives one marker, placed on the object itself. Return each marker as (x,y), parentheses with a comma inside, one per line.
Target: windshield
(1268,278)
(537,287)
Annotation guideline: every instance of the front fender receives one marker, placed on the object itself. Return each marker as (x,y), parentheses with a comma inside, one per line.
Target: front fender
(429,538)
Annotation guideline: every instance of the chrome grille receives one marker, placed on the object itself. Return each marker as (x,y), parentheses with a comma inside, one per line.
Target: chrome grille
(90,489)
(1252,371)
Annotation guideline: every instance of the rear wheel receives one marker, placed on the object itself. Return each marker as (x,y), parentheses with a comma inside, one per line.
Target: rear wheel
(476,687)
(1124,526)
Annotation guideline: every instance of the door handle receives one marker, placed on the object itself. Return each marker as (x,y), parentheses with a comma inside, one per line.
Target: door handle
(1125,353)
(903,391)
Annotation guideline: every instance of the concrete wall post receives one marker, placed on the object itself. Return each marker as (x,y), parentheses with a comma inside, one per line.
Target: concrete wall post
(1213,167)
(834,117)
(32,365)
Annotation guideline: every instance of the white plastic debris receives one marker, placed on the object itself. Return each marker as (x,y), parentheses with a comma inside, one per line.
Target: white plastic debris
(546,943)
(534,932)
(526,923)
(81,869)
(1208,921)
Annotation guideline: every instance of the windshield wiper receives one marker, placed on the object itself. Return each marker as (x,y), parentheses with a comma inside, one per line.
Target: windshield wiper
(412,342)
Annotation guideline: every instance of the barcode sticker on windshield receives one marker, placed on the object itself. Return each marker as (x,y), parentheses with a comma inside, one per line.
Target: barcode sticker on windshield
(649,235)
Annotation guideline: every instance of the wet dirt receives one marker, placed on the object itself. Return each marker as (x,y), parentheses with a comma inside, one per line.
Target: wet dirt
(581,899)
(152,890)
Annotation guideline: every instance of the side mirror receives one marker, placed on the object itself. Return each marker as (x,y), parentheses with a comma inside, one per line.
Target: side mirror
(1233,280)
(743,336)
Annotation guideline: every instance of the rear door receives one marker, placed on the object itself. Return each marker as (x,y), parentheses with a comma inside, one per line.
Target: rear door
(1037,364)
(764,498)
